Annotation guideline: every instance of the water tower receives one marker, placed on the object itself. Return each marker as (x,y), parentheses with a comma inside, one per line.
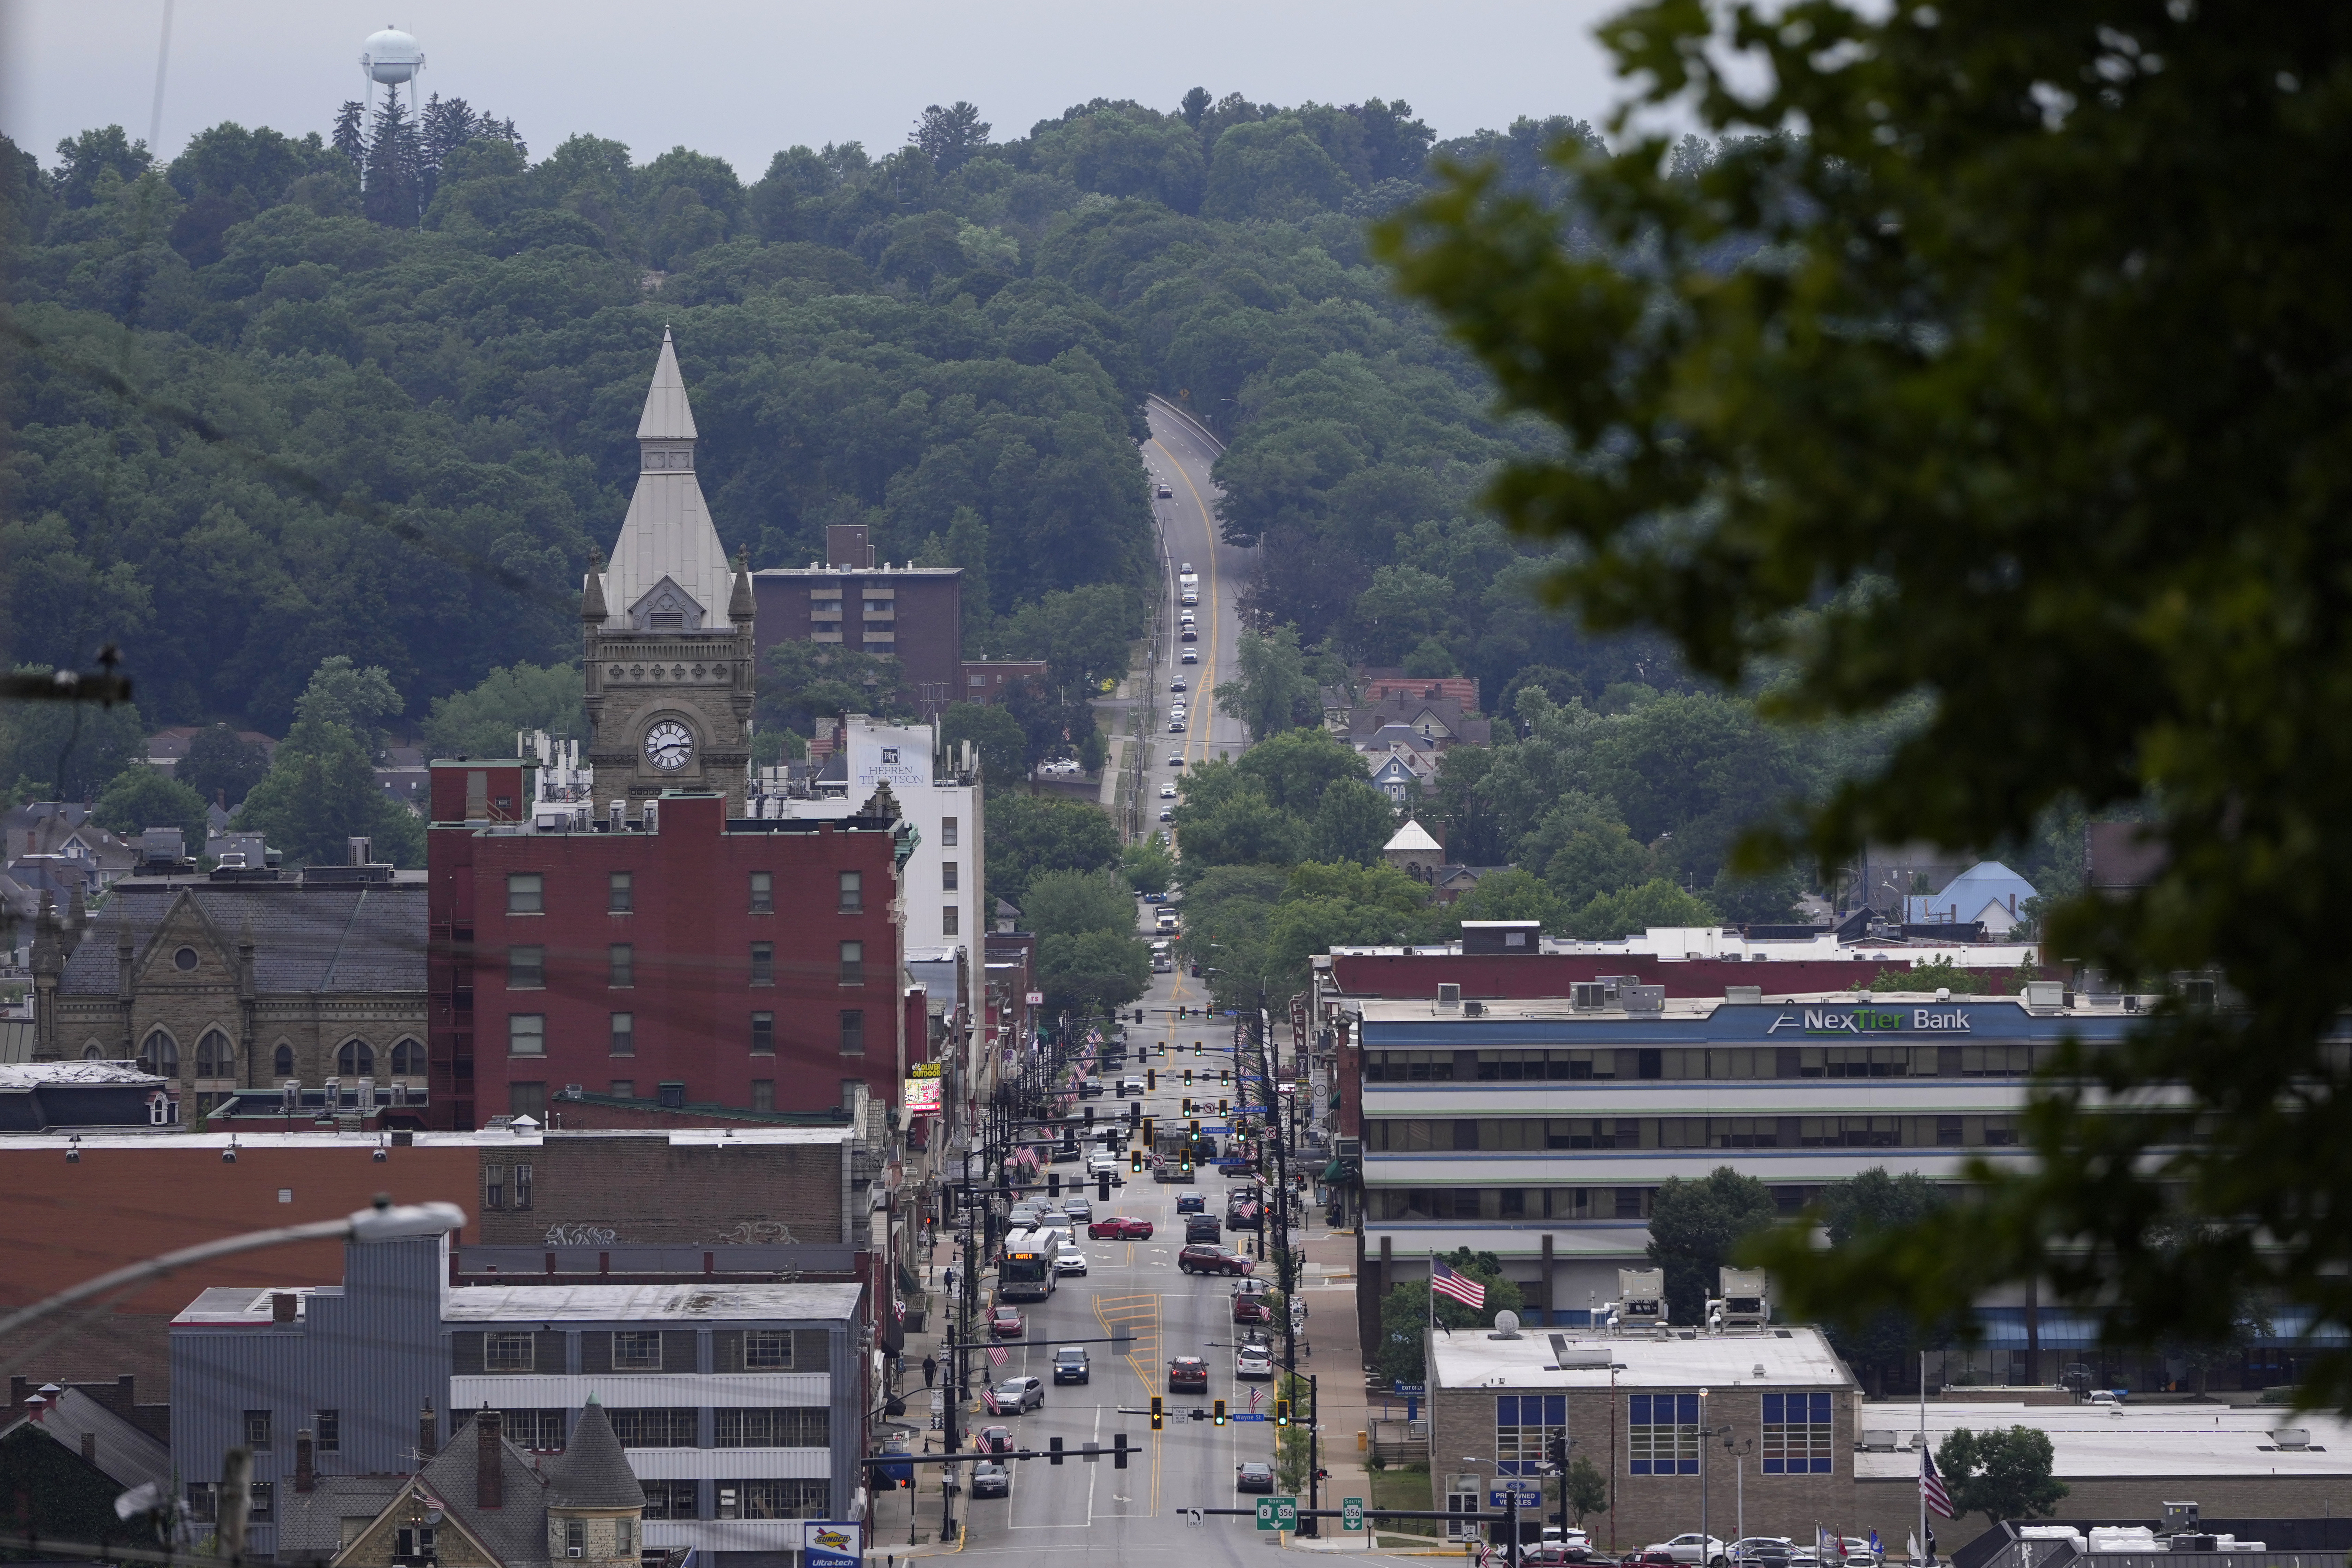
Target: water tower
(390,59)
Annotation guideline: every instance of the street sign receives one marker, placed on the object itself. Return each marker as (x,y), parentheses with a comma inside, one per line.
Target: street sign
(1248,1416)
(1036,998)
(1277,1513)
(1502,1499)
(1351,1513)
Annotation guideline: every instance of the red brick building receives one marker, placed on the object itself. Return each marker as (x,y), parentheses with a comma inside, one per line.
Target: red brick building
(684,958)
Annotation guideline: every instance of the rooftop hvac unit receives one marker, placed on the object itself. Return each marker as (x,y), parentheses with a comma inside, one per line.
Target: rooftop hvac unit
(1743,1298)
(1641,1297)
(1593,996)
(1449,994)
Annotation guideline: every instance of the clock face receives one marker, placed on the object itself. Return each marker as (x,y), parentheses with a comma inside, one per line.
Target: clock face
(668,745)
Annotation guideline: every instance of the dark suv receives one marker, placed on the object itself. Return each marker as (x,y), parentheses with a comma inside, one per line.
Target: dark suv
(1201,1227)
(1070,1365)
(1188,1373)
(1207,1259)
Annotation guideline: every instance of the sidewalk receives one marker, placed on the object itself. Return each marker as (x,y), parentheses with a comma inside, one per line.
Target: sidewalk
(904,1524)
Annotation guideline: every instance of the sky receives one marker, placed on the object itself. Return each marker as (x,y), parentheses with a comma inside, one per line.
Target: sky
(741,80)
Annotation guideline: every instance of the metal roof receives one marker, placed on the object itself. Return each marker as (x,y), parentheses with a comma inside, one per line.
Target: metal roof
(305,938)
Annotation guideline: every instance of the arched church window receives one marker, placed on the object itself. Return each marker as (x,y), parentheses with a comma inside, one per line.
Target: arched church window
(215,1057)
(160,1054)
(356,1059)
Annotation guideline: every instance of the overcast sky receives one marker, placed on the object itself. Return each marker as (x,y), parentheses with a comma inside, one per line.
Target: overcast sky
(741,79)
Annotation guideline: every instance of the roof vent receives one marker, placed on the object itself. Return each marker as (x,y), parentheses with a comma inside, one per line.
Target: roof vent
(1473,1009)
(1449,994)
(1743,993)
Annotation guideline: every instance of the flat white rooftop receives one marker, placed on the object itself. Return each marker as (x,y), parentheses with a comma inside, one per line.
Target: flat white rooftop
(2092,1442)
(1790,1358)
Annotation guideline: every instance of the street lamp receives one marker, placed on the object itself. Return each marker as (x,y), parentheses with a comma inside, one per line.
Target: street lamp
(1510,1509)
(1738,1450)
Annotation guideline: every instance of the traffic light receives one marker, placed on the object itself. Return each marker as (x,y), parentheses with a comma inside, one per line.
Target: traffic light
(1188,1078)
(1151,1078)
(1193,1127)
(1556,1451)
(1196,1048)
(1118,1451)
(1139,1015)
(1217,1413)
(1224,1107)
(1054,1455)
(1281,1413)
(1146,1134)
(1090,1116)
(1225,1075)
(1158,1414)
(1135,1162)
(1135,1114)
(1052,1183)
(1102,1188)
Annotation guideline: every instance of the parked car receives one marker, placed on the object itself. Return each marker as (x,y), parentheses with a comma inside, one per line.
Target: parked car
(1254,1475)
(994,1440)
(1252,1309)
(1253,1360)
(1690,1546)
(990,1479)
(1019,1395)
(1190,1374)
(1648,1557)
(1857,1549)
(1070,1365)
(1119,1227)
(1763,1552)
(1128,1086)
(1004,1323)
(1210,1260)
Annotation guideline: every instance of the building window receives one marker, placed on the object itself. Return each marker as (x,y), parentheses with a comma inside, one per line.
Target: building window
(507,1351)
(526,1034)
(763,892)
(764,1034)
(215,1057)
(522,1186)
(407,1060)
(767,1350)
(763,964)
(947,832)
(622,1088)
(526,968)
(853,1031)
(356,1059)
(256,1431)
(159,1057)
(625,1033)
(675,1427)
(950,922)
(1662,1435)
(621,893)
(494,1187)
(636,1349)
(852,964)
(526,893)
(526,1099)
(672,1499)
(853,892)
(200,1502)
(264,1495)
(947,876)
(624,1540)
(1800,1431)
(763,1094)
(281,1064)
(575,1530)
(412,1544)
(624,959)
(1524,1423)
(788,1426)
(328,1427)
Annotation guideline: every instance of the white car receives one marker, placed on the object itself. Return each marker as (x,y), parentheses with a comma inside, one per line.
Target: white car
(1190,656)
(1253,1360)
(1070,1262)
(1692,1547)
(1168,792)
(1176,725)
(1177,686)
(1186,567)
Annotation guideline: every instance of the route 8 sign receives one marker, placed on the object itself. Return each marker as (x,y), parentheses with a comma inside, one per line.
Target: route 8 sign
(1277,1513)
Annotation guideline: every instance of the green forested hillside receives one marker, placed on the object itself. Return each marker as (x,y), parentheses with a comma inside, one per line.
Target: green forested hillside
(424,392)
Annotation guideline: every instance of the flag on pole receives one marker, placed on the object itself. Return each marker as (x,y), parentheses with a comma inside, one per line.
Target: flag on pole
(988,1397)
(997,1356)
(1911,1546)
(1461,1286)
(1931,1486)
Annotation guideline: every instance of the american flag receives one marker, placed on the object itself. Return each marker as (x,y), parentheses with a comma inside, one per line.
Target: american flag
(1461,1286)
(988,1397)
(1931,1486)
(996,1354)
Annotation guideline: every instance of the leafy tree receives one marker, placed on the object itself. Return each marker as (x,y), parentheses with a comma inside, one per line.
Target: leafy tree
(995,734)
(1271,692)
(2002,1474)
(1239,829)
(950,135)
(1065,903)
(1697,1227)
(1352,823)
(1862,1207)
(1957,185)
(1580,845)
(319,792)
(1657,902)
(346,697)
(1092,971)
(70,751)
(1583,1489)
(1298,769)
(1147,867)
(144,797)
(1510,894)
(1405,1312)
(484,721)
(221,765)
(803,683)
(1029,834)
(1943,975)
(1770,897)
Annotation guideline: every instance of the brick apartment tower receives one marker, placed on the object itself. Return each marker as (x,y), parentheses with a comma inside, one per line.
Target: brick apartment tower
(667,630)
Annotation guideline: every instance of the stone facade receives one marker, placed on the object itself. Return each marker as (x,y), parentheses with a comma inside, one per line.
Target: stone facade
(219,985)
(625,1191)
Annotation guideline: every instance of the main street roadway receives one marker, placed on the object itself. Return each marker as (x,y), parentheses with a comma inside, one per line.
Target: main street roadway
(1134,1516)
(1179,457)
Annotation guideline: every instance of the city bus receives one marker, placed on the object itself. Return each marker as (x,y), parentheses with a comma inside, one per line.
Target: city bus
(1026,1272)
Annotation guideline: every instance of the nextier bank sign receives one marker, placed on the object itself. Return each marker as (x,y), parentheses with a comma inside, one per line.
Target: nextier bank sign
(1738,1023)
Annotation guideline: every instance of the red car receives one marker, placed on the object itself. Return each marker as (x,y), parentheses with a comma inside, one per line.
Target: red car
(1004,1323)
(994,1440)
(1205,1257)
(1119,1227)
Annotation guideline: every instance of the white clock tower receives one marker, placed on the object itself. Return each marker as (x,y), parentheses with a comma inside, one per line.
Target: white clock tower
(667,630)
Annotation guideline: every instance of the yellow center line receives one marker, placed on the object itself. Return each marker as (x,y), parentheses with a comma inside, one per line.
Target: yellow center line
(1143,1315)
(1208,684)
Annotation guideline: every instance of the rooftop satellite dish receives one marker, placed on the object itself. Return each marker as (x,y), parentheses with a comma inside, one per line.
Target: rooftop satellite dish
(1506,1324)
(392,57)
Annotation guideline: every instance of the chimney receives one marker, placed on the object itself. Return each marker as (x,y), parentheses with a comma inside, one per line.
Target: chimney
(305,1472)
(428,1434)
(281,1306)
(490,1473)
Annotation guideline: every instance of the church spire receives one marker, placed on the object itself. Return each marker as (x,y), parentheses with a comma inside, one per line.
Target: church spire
(667,415)
(669,571)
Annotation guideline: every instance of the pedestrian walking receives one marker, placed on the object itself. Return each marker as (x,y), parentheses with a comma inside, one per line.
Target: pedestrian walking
(930,1372)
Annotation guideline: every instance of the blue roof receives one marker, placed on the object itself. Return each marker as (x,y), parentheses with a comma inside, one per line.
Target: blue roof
(1967,894)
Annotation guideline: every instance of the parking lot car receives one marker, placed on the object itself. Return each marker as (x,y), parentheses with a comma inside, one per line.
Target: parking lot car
(1188,1374)
(1648,1557)
(1690,1546)
(1070,1260)
(990,1479)
(1070,1365)
(1252,1309)
(1190,1202)
(1253,1360)
(1205,1258)
(1128,1086)
(1004,1323)
(994,1440)
(1762,1551)
(1253,1476)
(1857,1549)
(1020,1395)
(1119,1227)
